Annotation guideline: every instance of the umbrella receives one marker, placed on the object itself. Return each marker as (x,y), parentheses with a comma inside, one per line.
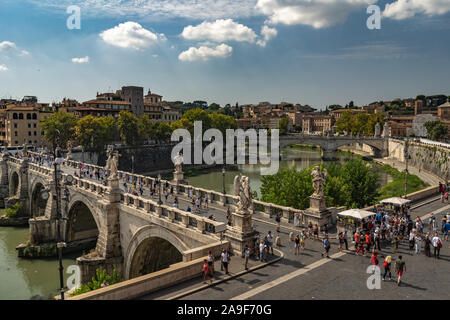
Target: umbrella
(356,213)
(395,200)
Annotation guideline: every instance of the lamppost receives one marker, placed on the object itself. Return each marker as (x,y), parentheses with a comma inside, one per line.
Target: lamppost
(406,155)
(223,186)
(159,193)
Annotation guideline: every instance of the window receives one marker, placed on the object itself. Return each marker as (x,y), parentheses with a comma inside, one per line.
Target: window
(15,125)
(29,133)
(42,133)
(35,133)
(15,133)
(15,116)
(35,141)
(28,116)
(34,116)
(34,125)
(20,116)
(16,142)
(29,125)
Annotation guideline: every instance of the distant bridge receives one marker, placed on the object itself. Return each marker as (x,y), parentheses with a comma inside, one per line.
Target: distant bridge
(330,144)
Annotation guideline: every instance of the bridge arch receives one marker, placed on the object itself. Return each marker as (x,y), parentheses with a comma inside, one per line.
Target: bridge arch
(140,259)
(37,203)
(14,183)
(82,222)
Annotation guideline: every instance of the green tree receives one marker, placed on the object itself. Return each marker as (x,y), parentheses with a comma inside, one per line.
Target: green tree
(128,128)
(283,125)
(197,114)
(162,132)
(436,130)
(352,184)
(94,133)
(345,123)
(59,121)
(145,128)
(222,122)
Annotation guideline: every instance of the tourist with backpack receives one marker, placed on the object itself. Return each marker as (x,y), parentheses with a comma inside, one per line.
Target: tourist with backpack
(326,246)
(278,221)
(437,245)
(400,267)
(387,267)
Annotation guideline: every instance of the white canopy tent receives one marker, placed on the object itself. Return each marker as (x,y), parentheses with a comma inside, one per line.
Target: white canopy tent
(395,200)
(356,213)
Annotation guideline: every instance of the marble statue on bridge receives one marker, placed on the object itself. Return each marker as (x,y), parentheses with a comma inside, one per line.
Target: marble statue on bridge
(319,179)
(178,162)
(112,163)
(243,191)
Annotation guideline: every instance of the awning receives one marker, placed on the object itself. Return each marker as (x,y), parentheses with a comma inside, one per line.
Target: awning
(396,200)
(356,213)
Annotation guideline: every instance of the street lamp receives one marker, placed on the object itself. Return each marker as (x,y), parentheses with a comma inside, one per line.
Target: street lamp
(223,186)
(60,244)
(159,193)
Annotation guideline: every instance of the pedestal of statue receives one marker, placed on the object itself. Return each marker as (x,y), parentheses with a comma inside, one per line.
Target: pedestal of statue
(241,233)
(317,212)
(178,177)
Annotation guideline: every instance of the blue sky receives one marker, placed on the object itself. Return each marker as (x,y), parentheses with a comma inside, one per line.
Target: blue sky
(313,52)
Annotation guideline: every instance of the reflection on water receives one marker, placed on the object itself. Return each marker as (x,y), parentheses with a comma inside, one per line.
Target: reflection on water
(290,158)
(24,278)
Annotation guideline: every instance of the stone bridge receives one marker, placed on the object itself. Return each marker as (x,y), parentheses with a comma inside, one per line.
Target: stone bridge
(132,234)
(330,144)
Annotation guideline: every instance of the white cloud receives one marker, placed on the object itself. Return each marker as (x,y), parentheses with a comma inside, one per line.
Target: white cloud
(206,53)
(267,33)
(403,9)
(11,47)
(3,67)
(219,31)
(315,13)
(80,60)
(130,35)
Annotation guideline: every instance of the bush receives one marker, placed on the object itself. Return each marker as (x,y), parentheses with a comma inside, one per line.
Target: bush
(14,210)
(101,278)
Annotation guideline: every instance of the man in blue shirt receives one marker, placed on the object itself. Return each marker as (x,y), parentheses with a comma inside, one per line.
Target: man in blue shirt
(446,230)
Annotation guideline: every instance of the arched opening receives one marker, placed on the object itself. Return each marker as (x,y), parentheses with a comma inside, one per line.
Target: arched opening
(81,226)
(37,203)
(153,254)
(14,184)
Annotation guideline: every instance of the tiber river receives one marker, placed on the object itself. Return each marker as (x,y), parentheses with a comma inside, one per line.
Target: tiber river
(23,279)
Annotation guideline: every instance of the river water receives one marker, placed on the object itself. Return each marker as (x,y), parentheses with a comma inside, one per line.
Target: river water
(23,278)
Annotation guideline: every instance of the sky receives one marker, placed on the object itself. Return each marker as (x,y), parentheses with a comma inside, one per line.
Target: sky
(316,52)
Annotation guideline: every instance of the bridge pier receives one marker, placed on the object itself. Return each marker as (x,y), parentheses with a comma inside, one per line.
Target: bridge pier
(328,155)
(4,184)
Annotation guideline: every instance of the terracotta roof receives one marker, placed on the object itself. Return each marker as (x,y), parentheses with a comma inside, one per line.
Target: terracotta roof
(96,109)
(97,101)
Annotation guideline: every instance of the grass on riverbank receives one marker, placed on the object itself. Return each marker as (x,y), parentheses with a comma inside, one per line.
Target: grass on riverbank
(304,147)
(397,187)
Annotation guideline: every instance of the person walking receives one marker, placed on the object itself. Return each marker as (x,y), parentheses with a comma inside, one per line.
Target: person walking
(326,246)
(270,242)
(446,230)
(341,241)
(225,260)
(210,260)
(368,242)
(387,267)
(374,258)
(302,239)
(418,242)
(437,245)
(246,256)
(400,267)
(296,244)
(360,245)
(395,241)
(206,271)
(261,250)
(344,235)
(427,248)
(278,221)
